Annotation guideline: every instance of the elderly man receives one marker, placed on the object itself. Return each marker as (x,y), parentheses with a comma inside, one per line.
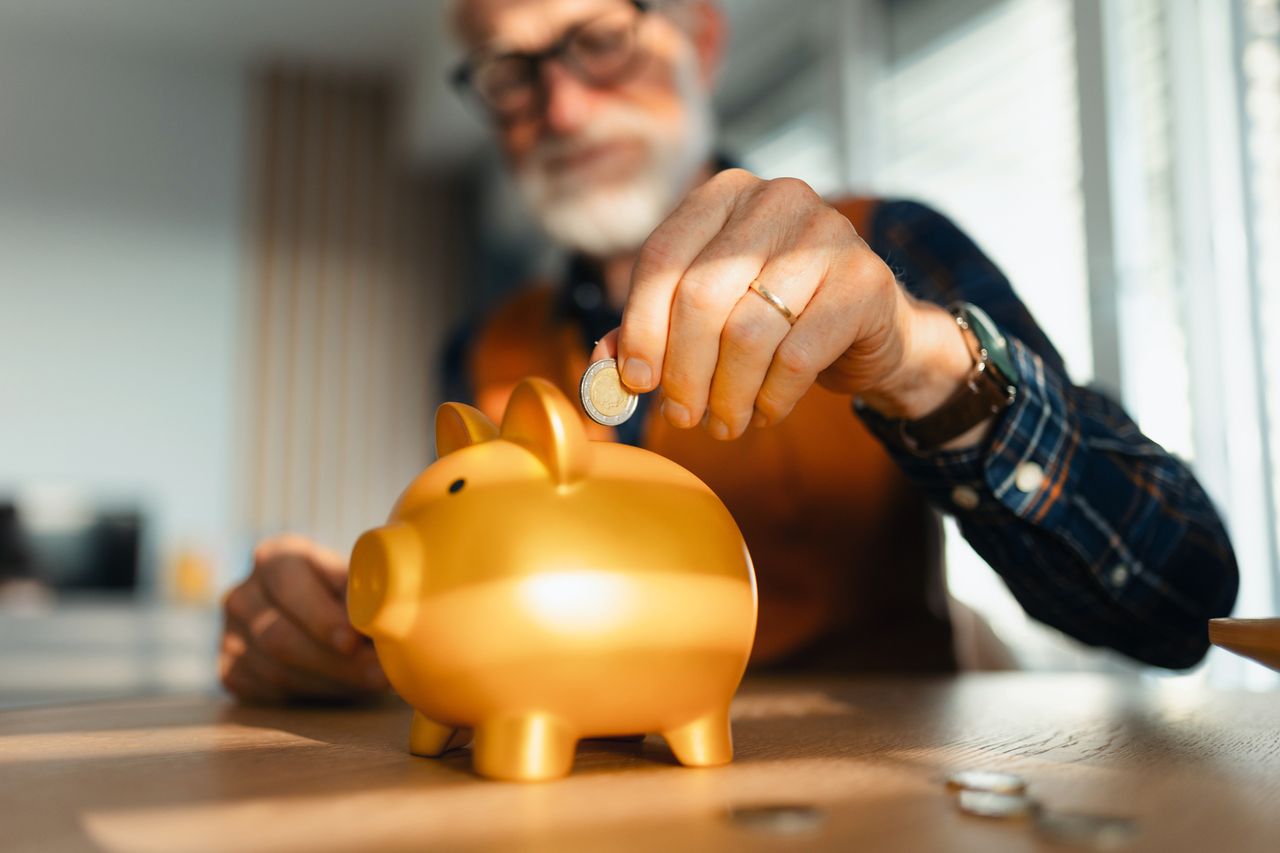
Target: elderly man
(822,393)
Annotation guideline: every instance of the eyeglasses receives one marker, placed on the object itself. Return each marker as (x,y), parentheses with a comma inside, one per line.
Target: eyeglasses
(599,52)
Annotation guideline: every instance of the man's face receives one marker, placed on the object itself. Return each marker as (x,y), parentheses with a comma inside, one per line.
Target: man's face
(601,165)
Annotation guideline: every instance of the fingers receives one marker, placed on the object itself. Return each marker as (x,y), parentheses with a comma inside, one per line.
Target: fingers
(704,298)
(329,564)
(241,676)
(839,314)
(725,356)
(775,224)
(255,676)
(286,632)
(255,628)
(296,583)
(662,262)
(281,640)
(752,334)
(799,259)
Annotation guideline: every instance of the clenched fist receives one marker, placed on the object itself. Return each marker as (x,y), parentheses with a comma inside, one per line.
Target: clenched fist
(286,634)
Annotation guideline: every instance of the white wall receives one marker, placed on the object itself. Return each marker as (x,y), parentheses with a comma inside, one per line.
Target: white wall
(120,228)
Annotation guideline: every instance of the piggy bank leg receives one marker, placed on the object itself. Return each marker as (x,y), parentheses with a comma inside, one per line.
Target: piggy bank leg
(429,738)
(524,748)
(704,742)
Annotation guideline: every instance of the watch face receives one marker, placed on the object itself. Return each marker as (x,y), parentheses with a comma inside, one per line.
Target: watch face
(993,342)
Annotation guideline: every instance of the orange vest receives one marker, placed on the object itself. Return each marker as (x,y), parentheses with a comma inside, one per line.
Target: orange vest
(846,552)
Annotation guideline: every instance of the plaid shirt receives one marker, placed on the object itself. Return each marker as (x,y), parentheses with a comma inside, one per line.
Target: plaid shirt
(1117,544)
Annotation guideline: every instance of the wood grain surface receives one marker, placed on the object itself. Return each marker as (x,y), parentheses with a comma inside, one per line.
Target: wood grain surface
(1197,770)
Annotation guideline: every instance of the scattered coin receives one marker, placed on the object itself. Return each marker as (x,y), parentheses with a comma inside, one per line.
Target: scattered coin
(987,780)
(604,397)
(1101,832)
(781,819)
(990,804)
(993,794)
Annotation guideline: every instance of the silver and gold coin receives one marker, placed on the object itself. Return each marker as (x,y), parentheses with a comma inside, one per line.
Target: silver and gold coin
(987,780)
(992,805)
(604,397)
(1102,832)
(780,819)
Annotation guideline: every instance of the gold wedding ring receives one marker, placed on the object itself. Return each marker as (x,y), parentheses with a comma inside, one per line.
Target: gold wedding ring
(772,298)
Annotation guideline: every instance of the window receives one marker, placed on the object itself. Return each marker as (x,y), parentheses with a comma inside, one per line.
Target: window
(1120,161)
(999,153)
(996,151)
(1261,84)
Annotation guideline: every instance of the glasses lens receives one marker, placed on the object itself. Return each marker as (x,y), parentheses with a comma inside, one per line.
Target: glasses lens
(508,84)
(603,49)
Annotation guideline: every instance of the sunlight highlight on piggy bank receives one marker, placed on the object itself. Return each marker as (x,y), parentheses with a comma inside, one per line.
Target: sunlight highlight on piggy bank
(541,588)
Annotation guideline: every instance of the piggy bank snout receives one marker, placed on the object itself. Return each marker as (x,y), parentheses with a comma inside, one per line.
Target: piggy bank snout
(385,574)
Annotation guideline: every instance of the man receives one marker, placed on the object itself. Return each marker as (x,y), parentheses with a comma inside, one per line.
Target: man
(821,393)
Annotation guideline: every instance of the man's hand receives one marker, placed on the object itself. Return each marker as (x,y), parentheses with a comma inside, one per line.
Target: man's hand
(727,358)
(286,634)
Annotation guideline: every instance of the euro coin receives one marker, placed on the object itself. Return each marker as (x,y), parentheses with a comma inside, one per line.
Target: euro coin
(779,819)
(603,396)
(988,804)
(1102,832)
(986,780)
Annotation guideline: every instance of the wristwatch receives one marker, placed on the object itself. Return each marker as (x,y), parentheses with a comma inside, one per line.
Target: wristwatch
(990,388)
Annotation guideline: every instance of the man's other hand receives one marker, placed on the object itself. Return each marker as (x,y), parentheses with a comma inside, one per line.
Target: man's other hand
(286,634)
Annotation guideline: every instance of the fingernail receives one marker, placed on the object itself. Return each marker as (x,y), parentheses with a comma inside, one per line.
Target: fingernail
(636,374)
(676,414)
(759,420)
(344,639)
(718,428)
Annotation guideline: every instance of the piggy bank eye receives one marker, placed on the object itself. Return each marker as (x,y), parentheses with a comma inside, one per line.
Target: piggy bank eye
(456,486)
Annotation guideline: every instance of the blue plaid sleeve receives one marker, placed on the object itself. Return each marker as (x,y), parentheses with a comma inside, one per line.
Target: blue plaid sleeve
(1096,530)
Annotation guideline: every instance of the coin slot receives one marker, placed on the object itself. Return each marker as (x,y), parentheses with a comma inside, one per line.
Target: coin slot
(456,486)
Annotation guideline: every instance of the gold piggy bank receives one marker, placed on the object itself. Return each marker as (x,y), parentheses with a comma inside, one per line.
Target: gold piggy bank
(539,588)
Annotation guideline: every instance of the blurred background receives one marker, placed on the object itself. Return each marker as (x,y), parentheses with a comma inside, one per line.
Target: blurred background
(235,236)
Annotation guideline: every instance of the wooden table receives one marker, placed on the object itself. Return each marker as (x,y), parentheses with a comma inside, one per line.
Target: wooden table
(1197,770)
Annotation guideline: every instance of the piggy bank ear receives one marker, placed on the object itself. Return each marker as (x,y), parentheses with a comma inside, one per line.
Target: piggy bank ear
(542,420)
(459,425)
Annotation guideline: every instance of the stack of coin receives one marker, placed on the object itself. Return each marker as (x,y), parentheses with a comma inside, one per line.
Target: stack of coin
(604,398)
(991,804)
(987,780)
(988,793)
(1003,796)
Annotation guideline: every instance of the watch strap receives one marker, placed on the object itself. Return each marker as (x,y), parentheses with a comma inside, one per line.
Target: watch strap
(984,392)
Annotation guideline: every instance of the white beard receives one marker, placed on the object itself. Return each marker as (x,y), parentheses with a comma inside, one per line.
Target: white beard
(603,219)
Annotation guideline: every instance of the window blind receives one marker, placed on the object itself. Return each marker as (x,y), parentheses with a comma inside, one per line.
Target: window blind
(981,120)
(1261,83)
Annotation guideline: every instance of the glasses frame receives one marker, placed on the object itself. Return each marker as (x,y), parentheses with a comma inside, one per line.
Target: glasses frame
(462,76)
